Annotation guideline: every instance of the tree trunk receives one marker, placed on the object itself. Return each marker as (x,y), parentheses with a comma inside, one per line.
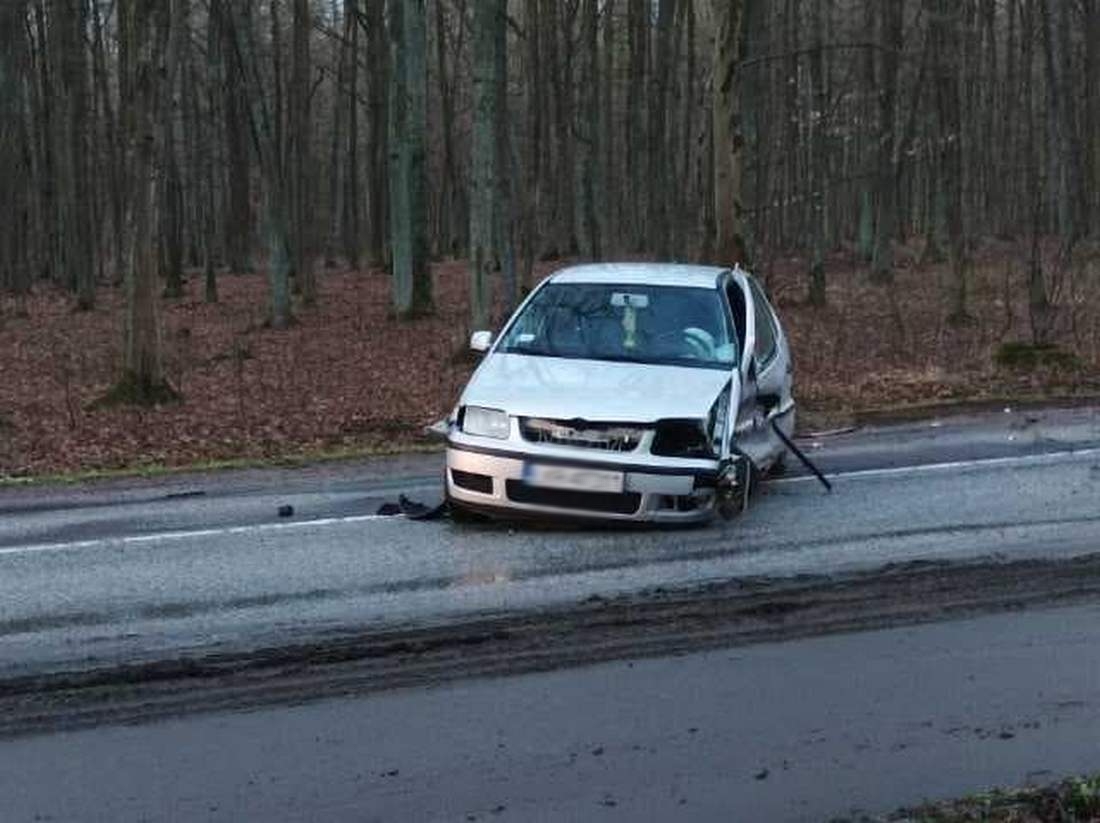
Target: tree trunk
(607,201)
(301,155)
(589,175)
(488,37)
(451,232)
(534,96)
(1092,112)
(634,123)
(412,294)
(944,22)
(268,143)
(886,193)
(238,208)
(171,206)
(657,179)
(215,77)
(351,223)
(818,159)
(147,39)
(14,151)
(1067,184)
(68,20)
(729,245)
(378,104)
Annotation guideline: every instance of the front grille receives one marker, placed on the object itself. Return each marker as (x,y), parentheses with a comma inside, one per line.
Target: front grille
(482,483)
(602,502)
(611,437)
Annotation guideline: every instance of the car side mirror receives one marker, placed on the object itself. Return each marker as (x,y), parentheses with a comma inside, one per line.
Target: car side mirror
(481,341)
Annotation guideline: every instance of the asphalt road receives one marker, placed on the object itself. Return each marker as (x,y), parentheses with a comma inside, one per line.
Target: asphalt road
(802,730)
(141,571)
(340,665)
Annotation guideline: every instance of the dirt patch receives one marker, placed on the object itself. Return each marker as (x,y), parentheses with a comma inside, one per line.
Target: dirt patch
(347,377)
(658,623)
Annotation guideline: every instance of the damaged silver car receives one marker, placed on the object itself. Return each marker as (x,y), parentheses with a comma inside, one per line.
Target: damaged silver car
(630,391)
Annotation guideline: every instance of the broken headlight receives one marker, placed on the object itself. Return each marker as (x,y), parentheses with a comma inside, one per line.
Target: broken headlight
(718,421)
(695,438)
(681,438)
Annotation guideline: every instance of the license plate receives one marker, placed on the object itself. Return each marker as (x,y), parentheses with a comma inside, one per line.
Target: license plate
(573,479)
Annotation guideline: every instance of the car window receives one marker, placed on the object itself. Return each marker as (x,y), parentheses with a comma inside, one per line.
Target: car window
(662,325)
(736,299)
(765,326)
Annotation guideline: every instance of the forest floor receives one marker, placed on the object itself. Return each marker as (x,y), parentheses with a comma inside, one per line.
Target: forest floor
(349,379)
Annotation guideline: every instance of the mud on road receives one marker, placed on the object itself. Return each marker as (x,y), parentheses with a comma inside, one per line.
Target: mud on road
(653,623)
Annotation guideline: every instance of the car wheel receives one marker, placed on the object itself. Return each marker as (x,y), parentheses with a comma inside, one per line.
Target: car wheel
(734,500)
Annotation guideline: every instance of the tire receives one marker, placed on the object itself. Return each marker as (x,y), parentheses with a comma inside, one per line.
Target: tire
(732,506)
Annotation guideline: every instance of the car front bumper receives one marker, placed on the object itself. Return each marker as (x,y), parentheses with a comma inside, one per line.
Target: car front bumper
(492,481)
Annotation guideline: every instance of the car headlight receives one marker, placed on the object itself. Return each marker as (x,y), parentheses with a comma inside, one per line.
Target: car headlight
(486,422)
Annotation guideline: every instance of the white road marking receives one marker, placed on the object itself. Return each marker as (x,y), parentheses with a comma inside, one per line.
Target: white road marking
(260,528)
(157,537)
(1046,458)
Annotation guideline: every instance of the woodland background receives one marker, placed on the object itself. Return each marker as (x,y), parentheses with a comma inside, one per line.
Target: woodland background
(255,228)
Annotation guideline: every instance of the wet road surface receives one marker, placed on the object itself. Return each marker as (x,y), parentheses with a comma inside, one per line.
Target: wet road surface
(172,649)
(131,572)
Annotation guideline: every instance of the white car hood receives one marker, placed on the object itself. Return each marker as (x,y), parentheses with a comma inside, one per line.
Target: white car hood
(594,390)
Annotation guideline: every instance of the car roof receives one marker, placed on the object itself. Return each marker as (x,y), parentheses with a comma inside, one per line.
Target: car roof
(642,274)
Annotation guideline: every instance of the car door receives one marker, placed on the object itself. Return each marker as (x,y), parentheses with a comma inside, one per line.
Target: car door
(764,385)
(748,435)
(774,372)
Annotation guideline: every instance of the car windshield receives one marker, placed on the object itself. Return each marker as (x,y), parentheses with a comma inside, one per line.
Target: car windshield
(663,325)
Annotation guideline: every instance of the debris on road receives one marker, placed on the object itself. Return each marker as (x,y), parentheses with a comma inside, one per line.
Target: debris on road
(413,509)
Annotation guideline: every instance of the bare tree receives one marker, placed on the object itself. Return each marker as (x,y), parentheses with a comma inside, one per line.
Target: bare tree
(488,39)
(588,181)
(301,154)
(75,262)
(378,104)
(819,163)
(267,136)
(148,39)
(944,24)
(14,147)
(412,292)
(729,246)
(871,125)
(886,195)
